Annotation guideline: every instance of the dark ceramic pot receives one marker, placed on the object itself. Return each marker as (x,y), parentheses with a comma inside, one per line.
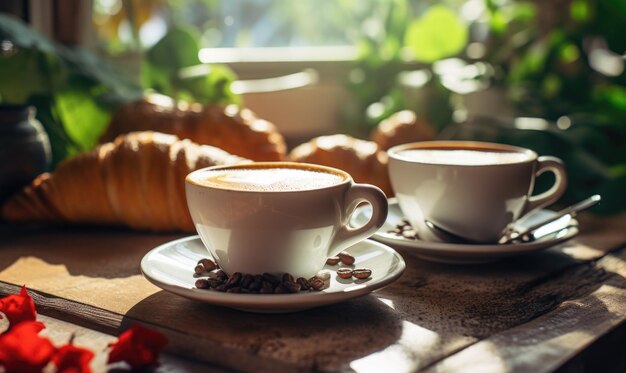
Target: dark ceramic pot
(24,148)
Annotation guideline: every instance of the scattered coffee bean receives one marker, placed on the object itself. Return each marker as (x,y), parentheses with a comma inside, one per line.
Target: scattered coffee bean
(317,283)
(202,283)
(291,286)
(288,277)
(344,272)
(266,288)
(221,288)
(333,260)
(346,258)
(362,273)
(405,230)
(221,275)
(323,275)
(255,285)
(280,289)
(236,289)
(246,281)
(234,280)
(213,283)
(304,283)
(199,269)
(271,278)
(208,264)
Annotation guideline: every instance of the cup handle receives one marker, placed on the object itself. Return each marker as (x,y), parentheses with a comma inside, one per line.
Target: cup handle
(358,193)
(556,166)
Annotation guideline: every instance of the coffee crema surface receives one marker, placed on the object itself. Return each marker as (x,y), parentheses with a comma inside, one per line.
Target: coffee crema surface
(270,179)
(463,157)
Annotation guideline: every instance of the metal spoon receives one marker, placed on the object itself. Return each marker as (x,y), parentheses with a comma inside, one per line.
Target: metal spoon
(510,233)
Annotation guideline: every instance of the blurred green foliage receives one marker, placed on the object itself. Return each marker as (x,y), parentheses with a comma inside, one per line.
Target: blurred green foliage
(562,61)
(177,50)
(75,91)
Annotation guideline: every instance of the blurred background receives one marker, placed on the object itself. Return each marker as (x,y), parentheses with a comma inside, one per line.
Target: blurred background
(543,74)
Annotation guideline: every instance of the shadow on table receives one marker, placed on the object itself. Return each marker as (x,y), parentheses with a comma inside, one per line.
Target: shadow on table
(576,333)
(480,300)
(327,337)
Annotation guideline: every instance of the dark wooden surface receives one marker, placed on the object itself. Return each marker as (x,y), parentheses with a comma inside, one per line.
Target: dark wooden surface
(534,313)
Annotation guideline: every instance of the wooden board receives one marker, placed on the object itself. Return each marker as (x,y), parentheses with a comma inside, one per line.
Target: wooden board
(431,316)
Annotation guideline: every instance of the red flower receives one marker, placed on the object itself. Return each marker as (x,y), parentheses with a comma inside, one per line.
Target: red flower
(23,350)
(72,359)
(138,346)
(18,307)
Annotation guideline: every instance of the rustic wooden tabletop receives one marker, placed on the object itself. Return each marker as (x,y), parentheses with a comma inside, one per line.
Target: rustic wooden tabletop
(559,309)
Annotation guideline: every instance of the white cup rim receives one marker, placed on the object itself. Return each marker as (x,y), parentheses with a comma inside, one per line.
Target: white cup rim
(394,151)
(191,178)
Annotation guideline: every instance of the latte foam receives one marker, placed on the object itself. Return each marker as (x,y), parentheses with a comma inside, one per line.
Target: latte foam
(269,179)
(463,157)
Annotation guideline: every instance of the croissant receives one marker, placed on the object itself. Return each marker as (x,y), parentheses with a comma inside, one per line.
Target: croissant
(237,131)
(138,181)
(401,128)
(360,158)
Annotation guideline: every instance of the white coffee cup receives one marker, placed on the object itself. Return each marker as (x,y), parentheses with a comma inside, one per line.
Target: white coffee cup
(470,189)
(278,217)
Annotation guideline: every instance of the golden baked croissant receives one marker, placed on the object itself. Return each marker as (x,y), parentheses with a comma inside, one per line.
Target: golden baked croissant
(138,181)
(360,158)
(237,131)
(401,128)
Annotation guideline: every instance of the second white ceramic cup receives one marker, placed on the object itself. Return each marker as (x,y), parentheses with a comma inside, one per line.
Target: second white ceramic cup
(472,201)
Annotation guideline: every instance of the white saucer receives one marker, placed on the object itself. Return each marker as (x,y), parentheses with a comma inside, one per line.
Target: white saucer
(557,232)
(170,267)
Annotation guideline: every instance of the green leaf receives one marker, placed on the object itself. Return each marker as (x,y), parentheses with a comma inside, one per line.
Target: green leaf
(212,87)
(62,146)
(82,118)
(438,34)
(177,49)
(161,71)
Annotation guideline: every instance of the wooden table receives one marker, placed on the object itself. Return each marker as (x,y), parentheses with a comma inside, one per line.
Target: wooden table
(564,308)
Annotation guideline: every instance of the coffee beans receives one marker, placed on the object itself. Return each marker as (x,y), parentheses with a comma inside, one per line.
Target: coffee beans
(304,283)
(202,283)
(344,273)
(342,257)
(346,258)
(208,264)
(268,283)
(358,273)
(405,230)
(317,283)
(204,265)
(362,273)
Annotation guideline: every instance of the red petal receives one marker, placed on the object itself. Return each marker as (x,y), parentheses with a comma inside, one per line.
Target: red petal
(72,359)
(18,307)
(23,350)
(139,347)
